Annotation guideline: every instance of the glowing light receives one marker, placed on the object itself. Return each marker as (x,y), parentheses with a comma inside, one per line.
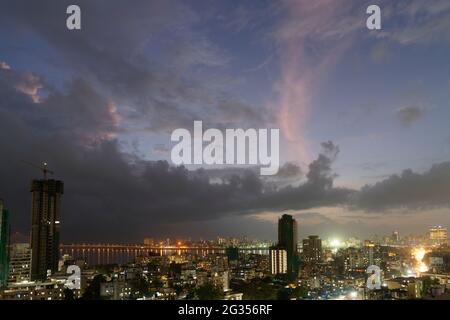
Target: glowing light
(419,254)
(335,243)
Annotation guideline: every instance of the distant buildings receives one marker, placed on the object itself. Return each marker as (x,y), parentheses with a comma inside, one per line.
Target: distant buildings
(19,263)
(48,290)
(438,235)
(287,239)
(149,242)
(46,208)
(232,254)
(401,287)
(4,231)
(395,238)
(312,250)
(368,251)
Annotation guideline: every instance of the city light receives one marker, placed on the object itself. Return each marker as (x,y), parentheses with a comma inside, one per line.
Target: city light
(419,254)
(335,243)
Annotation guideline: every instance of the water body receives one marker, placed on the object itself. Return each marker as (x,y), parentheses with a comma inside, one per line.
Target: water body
(102,256)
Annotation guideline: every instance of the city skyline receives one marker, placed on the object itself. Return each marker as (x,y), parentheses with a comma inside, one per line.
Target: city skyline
(232,150)
(363,115)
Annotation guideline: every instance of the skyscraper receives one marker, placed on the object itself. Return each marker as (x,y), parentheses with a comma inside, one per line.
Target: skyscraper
(287,238)
(45,225)
(4,231)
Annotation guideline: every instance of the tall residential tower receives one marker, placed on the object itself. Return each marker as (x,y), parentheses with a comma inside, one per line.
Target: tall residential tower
(45,225)
(287,239)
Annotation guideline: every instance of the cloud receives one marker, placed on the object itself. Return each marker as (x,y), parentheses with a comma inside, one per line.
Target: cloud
(409,115)
(409,190)
(154,60)
(421,22)
(4,65)
(289,170)
(313,36)
(107,192)
(161,149)
(311,39)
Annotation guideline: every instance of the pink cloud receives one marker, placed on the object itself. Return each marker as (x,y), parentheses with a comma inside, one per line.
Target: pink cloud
(4,66)
(29,85)
(311,41)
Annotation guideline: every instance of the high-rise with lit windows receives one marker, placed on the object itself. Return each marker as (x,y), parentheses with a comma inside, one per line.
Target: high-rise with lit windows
(287,239)
(19,263)
(278,260)
(438,234)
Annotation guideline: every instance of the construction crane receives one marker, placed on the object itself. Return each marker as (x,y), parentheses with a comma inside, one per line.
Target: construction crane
(43,168)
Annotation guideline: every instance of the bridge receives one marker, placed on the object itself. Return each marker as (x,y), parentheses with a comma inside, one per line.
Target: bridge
(142,247)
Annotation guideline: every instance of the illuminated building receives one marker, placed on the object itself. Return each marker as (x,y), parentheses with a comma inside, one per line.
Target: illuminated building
(278,260)
(353,258)
(404,288)
(19,263)
(4,231)
(46,208)
(233,296)
(368,251)
(287,239)
(115,290)
(49,290)
(438,234)
(221,241)
(312,249)
(395,237)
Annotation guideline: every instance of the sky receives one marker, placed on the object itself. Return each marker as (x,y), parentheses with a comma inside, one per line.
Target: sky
(363,115)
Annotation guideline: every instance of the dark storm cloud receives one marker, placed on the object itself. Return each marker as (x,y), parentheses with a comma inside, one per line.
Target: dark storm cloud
(408,190)
(108,193)
(150,56)
(318,189)
(289,169)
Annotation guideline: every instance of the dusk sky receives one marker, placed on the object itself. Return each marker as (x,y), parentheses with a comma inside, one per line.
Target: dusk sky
(364,115)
